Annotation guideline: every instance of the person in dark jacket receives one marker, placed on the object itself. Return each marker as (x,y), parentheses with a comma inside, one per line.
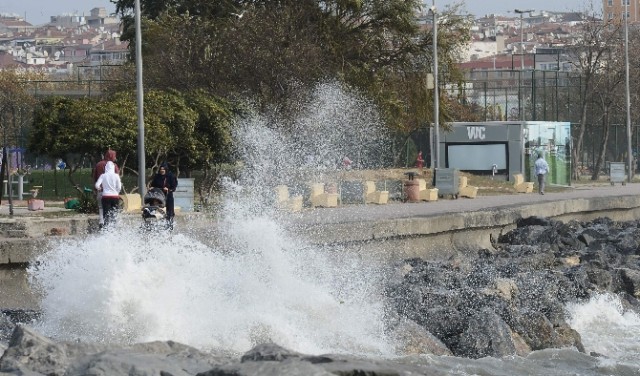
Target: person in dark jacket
(166,181)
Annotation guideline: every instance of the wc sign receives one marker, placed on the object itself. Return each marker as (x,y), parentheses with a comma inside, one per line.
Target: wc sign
(476,133)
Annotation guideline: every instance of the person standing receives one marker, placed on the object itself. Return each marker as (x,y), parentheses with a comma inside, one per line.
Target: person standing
(109,156)
(110,185)
(542,169)
(419,161)
(166,181)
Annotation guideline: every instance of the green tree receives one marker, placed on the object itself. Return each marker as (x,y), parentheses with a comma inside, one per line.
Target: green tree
(277,50)
(189,131)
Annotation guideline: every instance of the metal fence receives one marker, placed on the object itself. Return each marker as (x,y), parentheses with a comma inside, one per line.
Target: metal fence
(522,94)
(544,95)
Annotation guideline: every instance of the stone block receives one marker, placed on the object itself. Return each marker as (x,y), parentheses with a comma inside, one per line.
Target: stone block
(320,198)
(520,185)
(35,204)
(430,194)
(286,202)
(373,196)
(131,203)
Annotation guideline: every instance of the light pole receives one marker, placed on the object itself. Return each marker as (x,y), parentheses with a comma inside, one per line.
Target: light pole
(520,95)
(436,94)
(521,12)
(627,95)
(140,99)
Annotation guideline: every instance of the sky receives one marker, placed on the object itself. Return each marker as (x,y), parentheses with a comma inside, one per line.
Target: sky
(39,11)
(506,8)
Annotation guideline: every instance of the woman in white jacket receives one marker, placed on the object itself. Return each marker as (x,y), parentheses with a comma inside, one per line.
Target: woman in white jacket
(110,185)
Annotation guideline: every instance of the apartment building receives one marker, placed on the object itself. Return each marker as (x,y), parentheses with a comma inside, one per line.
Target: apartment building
(614,9)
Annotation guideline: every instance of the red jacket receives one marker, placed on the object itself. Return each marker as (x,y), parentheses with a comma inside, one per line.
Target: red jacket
(109,156)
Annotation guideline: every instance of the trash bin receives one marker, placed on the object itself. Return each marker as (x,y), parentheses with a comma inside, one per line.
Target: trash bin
(617,173)
(447,182)
(412,190)
(412,187)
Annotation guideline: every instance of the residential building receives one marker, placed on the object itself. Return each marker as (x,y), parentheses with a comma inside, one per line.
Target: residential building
(614,9)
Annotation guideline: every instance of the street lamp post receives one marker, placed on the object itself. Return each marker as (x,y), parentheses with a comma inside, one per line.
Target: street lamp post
(521,12)
(140,100)
(436,93)
(520,95)
(627,95)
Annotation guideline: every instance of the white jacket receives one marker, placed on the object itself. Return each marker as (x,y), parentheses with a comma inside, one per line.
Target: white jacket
(109,181)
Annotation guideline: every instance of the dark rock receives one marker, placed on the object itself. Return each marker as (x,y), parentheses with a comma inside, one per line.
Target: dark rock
(6,328)
(486,335)
(268,351)
(534,221)
(568,337)
(629,281)
(413,339)
(30,353)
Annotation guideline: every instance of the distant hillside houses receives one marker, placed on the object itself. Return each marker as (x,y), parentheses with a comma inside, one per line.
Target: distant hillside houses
(60,46)
(495,37)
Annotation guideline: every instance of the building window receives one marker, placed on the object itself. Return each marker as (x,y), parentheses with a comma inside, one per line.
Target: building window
(610,3)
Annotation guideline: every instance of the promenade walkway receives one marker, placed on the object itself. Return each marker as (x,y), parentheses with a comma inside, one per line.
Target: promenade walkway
(393,210)
(372,212)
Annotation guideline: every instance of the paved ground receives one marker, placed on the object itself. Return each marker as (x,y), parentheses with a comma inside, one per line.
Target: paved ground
(20,208)
(354,213)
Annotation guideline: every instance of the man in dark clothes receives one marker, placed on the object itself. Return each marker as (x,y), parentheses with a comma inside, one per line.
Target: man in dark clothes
(109,156)
(166,181)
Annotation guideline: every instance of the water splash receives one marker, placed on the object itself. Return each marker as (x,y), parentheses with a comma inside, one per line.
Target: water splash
(607,328)
(243,278)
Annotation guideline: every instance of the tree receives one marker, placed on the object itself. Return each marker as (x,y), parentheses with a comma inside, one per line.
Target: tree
(183,130)
(16,105)
(590,58)
(276,51)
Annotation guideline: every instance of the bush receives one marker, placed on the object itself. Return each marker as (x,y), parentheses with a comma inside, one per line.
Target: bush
(87,203)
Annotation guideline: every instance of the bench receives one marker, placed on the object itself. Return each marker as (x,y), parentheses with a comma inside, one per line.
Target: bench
(286,202)
(465,189)
(373,196)
(520,185)
(427,194)
(320,198)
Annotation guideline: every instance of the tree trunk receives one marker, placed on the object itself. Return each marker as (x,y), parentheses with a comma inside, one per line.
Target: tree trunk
(606,120)
(577,146)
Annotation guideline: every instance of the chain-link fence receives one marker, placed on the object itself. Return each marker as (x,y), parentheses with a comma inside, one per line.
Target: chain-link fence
(545,95)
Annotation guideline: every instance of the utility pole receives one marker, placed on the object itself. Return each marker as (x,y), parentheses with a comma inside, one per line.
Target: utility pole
(436,94)
(627,95)
(140,99)
(520,95)
(521,12)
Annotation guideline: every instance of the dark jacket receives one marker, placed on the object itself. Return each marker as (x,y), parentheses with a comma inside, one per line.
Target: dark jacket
(167,180)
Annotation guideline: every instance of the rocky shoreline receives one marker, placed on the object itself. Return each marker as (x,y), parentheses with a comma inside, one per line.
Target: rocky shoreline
(498,302)
(511,299)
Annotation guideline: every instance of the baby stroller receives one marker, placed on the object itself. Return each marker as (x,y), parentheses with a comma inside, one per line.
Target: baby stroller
(153,213)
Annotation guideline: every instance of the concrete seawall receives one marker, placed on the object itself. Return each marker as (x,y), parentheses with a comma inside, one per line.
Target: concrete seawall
(383,234)
(434,230)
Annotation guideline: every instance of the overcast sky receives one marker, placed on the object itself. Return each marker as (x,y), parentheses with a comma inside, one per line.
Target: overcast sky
(39,11)
(506,7)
